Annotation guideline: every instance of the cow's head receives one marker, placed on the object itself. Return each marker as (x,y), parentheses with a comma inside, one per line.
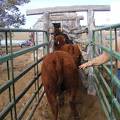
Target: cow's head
(59,41)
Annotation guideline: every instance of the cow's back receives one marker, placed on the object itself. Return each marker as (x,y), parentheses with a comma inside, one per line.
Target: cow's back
(59,68)
(74,51)
(59,73)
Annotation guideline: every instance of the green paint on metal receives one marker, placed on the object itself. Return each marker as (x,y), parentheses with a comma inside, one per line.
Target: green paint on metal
(101,85)
(20,52)
(14,99)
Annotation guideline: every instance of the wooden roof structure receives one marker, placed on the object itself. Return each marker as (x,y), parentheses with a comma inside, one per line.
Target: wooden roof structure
(63,9)
(63,17)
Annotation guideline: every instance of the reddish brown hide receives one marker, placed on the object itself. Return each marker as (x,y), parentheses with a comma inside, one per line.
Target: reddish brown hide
(59,41)
(59,74)
(60,44)
(74,51)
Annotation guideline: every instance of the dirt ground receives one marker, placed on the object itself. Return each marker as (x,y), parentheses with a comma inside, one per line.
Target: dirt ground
(87,105)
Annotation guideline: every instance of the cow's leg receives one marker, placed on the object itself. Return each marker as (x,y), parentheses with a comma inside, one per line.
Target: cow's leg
(52,99)
(72,102)
(61,100)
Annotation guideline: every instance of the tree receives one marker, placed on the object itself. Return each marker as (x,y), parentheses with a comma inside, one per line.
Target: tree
(10,15)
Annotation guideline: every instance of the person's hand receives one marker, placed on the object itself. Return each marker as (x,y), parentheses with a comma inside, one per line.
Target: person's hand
(87,64)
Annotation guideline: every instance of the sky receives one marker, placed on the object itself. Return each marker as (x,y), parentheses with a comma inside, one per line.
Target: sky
(101,18)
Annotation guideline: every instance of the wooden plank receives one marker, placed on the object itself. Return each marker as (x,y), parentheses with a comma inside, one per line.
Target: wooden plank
(65,18)
(61,9)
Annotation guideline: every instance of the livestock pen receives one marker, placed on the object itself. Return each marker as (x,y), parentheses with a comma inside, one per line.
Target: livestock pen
(21,93)
(20,101)
(14,85)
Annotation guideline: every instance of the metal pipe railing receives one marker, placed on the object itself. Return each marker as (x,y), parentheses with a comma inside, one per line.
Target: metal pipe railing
(103,88)
(107,27)
(14,98)
(21,52)
(20,30)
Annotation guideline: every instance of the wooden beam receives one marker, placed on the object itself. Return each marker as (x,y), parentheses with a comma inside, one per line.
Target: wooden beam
(65,18)
(61,9)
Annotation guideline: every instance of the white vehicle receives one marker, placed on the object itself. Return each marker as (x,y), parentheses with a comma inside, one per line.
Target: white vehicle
(14,42)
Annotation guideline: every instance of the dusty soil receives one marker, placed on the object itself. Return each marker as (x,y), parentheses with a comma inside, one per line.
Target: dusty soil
(87,105)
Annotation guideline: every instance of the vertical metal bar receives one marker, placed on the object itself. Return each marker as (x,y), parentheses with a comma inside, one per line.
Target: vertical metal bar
(116,47)
(44,48)
(34,55)
(111,69)
(47,40)
(8,73)
(37,64)
(101,40)
(12,75)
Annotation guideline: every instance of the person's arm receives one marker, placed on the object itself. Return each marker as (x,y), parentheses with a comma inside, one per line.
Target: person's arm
(96,61)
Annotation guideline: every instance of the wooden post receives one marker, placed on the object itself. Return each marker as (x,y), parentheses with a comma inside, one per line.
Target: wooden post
(46,28)
(91,25)
(46,21)
(78,22)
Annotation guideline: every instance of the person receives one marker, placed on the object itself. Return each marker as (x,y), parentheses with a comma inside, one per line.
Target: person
(103,58)
(57,31)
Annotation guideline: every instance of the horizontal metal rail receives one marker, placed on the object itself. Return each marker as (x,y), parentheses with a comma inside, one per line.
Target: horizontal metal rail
(21,52)
(107,27)
(103,96)
(9,85)
(105,85)
(110,105)
(34,108)
(10,105)
(111,52)
(22,112)
(115,79)
(20,30)
(102,102)
(10,82)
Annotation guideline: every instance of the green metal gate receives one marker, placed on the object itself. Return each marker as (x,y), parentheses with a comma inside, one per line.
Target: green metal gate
(106,80)
(9,94)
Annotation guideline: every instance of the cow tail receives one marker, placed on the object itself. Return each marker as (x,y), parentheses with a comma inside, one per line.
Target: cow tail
(59,71)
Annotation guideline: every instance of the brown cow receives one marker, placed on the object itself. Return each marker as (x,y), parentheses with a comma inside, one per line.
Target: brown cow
(59,41)
(59,74)
(60,44)
(74,51)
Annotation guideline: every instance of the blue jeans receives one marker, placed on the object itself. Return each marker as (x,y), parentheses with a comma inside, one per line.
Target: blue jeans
(118,89)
